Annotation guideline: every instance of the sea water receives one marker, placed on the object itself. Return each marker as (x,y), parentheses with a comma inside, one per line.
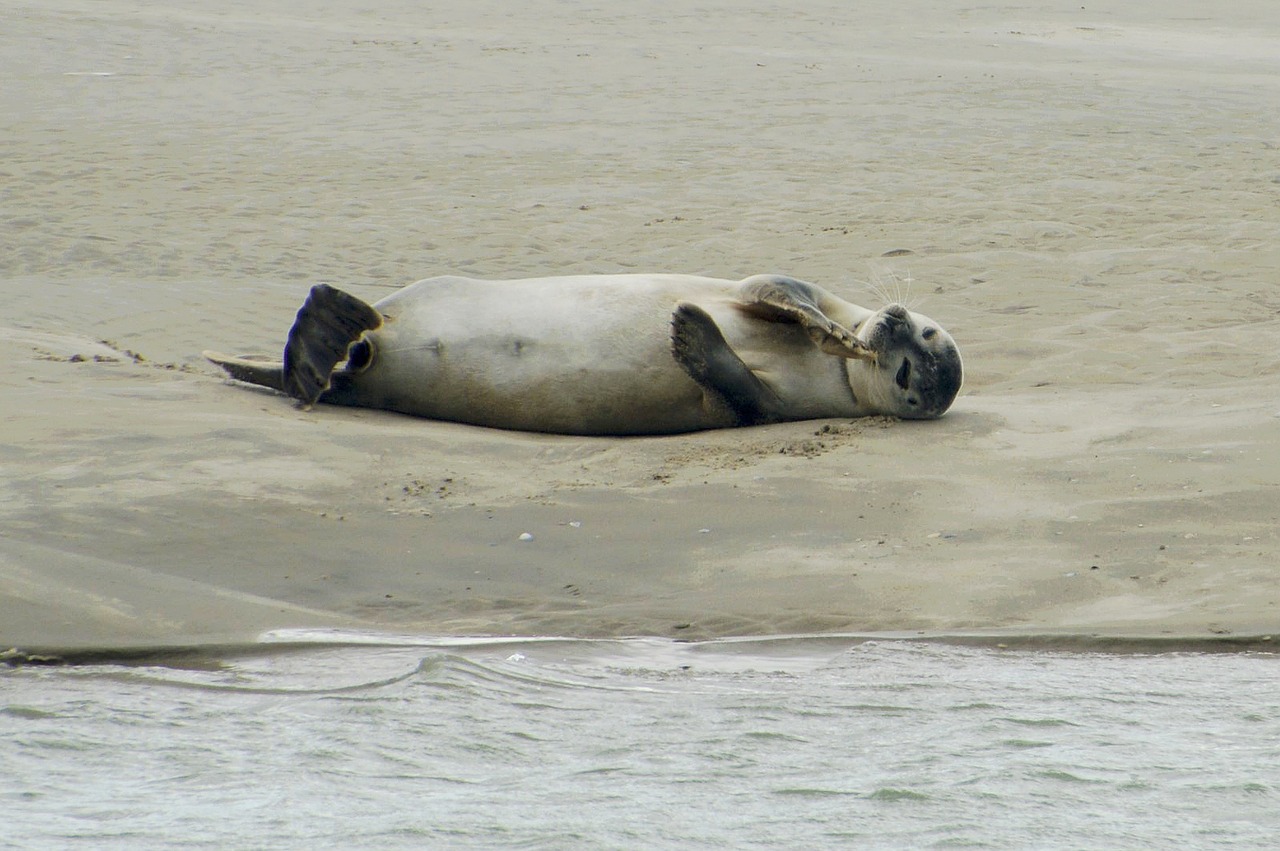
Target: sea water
(378,742)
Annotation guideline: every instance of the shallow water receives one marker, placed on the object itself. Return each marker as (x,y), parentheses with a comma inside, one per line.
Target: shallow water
(641,743)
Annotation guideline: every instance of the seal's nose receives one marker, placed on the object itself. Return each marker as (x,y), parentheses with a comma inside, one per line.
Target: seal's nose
(895,316)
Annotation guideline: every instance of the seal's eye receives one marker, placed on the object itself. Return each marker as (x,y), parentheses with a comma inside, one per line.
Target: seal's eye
(929,333)
(904,374)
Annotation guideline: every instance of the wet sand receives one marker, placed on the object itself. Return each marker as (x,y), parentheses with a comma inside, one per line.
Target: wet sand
(1085,198)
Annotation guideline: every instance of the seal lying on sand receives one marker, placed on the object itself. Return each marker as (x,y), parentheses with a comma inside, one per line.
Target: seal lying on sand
(612,354)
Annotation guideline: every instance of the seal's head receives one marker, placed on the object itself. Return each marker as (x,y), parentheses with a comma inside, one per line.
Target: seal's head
(917,366)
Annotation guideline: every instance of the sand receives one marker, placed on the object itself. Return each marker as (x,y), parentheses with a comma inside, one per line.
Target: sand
(1086,196)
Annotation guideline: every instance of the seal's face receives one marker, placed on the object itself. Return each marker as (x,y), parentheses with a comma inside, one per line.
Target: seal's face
(917,372)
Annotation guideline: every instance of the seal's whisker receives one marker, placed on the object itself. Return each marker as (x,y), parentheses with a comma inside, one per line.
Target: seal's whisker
(890,286)
(876,287)
(910,300)
(887,285)
(902,285)
(889,282)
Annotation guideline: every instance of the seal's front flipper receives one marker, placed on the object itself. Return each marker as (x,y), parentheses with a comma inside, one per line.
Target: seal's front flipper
(778,298)
(327,324)
(263,372)
(699,347)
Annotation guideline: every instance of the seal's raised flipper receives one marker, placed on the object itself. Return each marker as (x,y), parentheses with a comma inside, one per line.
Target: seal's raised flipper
(263,372)
(699,347)
(328,322)
(782,299)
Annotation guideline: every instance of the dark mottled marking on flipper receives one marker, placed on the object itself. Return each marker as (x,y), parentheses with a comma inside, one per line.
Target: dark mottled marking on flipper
(699,347)
(327,324)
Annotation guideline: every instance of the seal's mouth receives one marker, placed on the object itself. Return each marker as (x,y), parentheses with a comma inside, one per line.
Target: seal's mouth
(903,378)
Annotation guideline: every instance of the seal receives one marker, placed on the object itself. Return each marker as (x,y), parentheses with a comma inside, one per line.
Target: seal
(612,354)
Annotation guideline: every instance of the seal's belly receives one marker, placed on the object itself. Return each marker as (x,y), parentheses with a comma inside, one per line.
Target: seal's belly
(535,384)
(579,356)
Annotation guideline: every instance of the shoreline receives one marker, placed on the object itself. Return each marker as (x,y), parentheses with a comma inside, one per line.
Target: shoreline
(213,654)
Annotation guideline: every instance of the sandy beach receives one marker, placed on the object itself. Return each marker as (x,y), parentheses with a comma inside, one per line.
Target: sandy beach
(1085,196)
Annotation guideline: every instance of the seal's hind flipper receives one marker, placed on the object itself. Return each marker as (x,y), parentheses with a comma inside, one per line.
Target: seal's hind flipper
(327,324)
(699,347)
(263,372)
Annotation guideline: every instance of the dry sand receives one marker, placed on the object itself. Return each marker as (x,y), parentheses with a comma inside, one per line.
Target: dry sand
(1089,199)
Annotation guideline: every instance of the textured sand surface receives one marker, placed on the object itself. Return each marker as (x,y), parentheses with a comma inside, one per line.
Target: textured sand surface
(1086,198)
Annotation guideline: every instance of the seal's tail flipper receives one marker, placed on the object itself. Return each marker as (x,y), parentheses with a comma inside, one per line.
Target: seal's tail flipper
(263,372)
(327,324)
